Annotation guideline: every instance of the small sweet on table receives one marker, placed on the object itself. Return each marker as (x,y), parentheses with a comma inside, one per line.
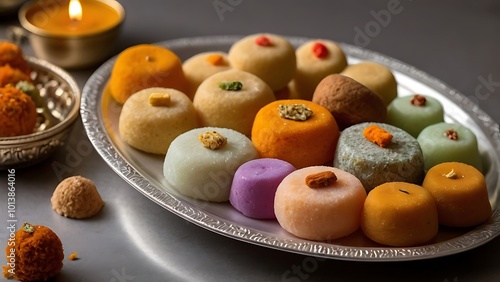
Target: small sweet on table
(460,193)
(36,254)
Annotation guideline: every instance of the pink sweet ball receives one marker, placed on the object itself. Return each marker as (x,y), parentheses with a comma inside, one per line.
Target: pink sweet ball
(254,185)
(320,214)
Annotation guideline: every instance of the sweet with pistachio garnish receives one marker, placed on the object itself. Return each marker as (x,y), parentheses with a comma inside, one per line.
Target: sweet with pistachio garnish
(231,86)
(300,132)
(36,254)
(231,99)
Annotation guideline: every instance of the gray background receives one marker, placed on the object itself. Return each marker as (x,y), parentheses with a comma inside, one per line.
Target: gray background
(133,239)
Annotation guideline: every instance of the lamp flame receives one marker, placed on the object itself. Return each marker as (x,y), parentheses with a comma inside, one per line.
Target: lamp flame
(75,10)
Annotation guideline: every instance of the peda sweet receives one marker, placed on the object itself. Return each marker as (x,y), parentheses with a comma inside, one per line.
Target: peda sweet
(144,66)
(152,118)
(300,132)
(460,193)
(376,77)
(400,214)
(349,101)
(254,186)
(200,66)
(315,60)
(201,163)
(270,57)
(231,99)
(76,197)
(319,203)
(377,153)
(449,142)
(414,113)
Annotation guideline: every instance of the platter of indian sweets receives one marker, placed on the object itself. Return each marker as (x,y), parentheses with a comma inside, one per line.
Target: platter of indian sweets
(299,144)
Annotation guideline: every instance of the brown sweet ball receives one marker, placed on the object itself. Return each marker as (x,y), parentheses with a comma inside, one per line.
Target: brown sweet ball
(268,56)
(460,193)
(349,101)
(76,197)
(35,254)
(17,112)
(145,66)
(11,54)
(231,99)
(399,214)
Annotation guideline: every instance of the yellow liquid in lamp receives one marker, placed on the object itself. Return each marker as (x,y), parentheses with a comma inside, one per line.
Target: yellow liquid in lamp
(53,18)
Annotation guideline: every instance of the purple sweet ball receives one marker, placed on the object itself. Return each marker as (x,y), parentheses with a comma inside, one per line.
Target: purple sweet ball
(254,185)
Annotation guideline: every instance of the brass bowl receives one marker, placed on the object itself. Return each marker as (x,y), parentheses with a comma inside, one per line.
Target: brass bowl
(72,52)
(61,96)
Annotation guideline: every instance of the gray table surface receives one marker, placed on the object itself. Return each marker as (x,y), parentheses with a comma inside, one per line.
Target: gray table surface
(133,239)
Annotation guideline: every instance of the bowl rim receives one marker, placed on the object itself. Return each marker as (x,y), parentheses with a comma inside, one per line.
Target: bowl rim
(61,126)
(34,30)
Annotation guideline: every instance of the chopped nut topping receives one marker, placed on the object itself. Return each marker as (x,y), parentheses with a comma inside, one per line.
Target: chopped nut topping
(295,111)
(418,100)
(28,227)
(231,86)
(451,174)
(159,99)
(321,179)
(212,140)
(451,134)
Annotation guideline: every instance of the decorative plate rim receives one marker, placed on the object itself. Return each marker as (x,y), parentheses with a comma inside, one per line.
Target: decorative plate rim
(90,113)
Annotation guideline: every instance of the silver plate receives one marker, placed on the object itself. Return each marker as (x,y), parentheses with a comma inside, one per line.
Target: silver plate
(144,171)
